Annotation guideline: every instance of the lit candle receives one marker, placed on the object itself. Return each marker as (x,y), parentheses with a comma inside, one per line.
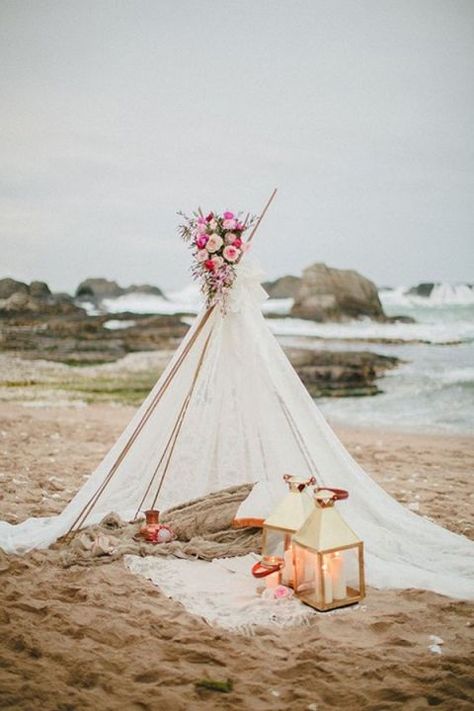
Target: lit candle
(338,577)
(328,597)
(272,580)
(288,573)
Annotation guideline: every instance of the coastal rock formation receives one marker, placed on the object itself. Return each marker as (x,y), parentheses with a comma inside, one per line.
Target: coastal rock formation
(328,294)
(96,290)
(285,287)
(340,373)
(17,297)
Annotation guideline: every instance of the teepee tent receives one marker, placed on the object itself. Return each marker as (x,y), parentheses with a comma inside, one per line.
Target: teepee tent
(229,409)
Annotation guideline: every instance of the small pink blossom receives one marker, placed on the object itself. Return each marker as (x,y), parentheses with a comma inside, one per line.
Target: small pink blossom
(229,224)
(239,226)
(214,243)
(231,253)
(213,225)
(202,227)
(228,215)
(201,241)
(202,255)
(280,592)
(209,264)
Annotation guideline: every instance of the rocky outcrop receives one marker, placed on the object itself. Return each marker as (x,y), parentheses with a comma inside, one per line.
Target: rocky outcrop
(96,290)
(327,294)
(285,287)
(18,297)
(423,289)
(340,373)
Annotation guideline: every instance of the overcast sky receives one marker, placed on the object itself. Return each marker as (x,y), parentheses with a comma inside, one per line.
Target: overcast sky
(117,113)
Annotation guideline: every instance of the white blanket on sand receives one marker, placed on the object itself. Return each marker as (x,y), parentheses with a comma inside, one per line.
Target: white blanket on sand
(223,592)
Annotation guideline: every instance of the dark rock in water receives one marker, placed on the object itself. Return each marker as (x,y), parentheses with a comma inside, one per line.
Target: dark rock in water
(340,373)
(144,289)
(423,289)
(9,286)
(327,294)
(98,289)
(285,287)
(401,319)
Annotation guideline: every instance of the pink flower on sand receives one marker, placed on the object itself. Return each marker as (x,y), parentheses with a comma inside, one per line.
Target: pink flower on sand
(201,241)
(229,224)
(280,592)
(228,215)
(202,255)
(214,243)
(231,253)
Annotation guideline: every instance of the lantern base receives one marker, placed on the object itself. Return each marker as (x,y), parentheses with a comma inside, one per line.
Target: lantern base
(352,598)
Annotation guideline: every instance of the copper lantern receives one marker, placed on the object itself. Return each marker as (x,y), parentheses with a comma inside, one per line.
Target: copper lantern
(277,564)
(329,557)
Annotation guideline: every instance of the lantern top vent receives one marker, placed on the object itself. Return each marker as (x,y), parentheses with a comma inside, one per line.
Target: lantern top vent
(293,510)
(325,529)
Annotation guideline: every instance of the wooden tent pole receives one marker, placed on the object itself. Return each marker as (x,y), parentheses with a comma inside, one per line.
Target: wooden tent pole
(269,202)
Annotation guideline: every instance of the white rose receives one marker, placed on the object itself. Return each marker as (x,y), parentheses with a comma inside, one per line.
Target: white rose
(202,255)
(230,237)
(218,262)
(213,224)
(214,243)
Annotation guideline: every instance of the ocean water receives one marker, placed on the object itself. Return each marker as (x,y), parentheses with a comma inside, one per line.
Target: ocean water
(433,390)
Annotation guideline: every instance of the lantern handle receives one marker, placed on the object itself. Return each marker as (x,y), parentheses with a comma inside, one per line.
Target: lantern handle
(261,571)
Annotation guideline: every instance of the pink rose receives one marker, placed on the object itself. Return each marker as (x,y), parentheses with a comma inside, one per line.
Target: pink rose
(201,241)
(228,215)
(202,255)
(237,242)
(229,224)
(214,243)
(280,592)
(231,253)
(209,264)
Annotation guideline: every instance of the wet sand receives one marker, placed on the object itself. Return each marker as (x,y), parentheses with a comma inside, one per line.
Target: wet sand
(101,638)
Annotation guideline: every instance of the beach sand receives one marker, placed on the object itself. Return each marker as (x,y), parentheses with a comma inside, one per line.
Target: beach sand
(101,638)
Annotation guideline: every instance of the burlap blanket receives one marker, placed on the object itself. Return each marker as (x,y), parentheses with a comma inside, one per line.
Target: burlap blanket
(203,528)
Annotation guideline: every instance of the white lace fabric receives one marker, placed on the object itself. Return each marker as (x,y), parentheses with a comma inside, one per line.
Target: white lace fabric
(250,419)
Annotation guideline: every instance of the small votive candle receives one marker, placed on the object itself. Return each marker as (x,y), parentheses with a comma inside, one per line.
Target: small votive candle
(272,580)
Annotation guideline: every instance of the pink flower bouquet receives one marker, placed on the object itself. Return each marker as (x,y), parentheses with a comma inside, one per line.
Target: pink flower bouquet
(217,244)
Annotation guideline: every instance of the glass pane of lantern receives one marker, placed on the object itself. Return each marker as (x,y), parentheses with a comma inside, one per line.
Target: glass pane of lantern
(305,566)
(274,544)
(341,571)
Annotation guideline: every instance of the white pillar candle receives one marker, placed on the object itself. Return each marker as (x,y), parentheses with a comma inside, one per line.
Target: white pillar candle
(328,597)
(288,572)
(272,580)
(338,575)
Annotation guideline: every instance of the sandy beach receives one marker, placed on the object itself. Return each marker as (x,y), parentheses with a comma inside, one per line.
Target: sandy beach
(99,637)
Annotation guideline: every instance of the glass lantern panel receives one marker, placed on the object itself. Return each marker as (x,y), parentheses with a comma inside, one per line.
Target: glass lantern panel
(274,544)
(341,574)
(305,570)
